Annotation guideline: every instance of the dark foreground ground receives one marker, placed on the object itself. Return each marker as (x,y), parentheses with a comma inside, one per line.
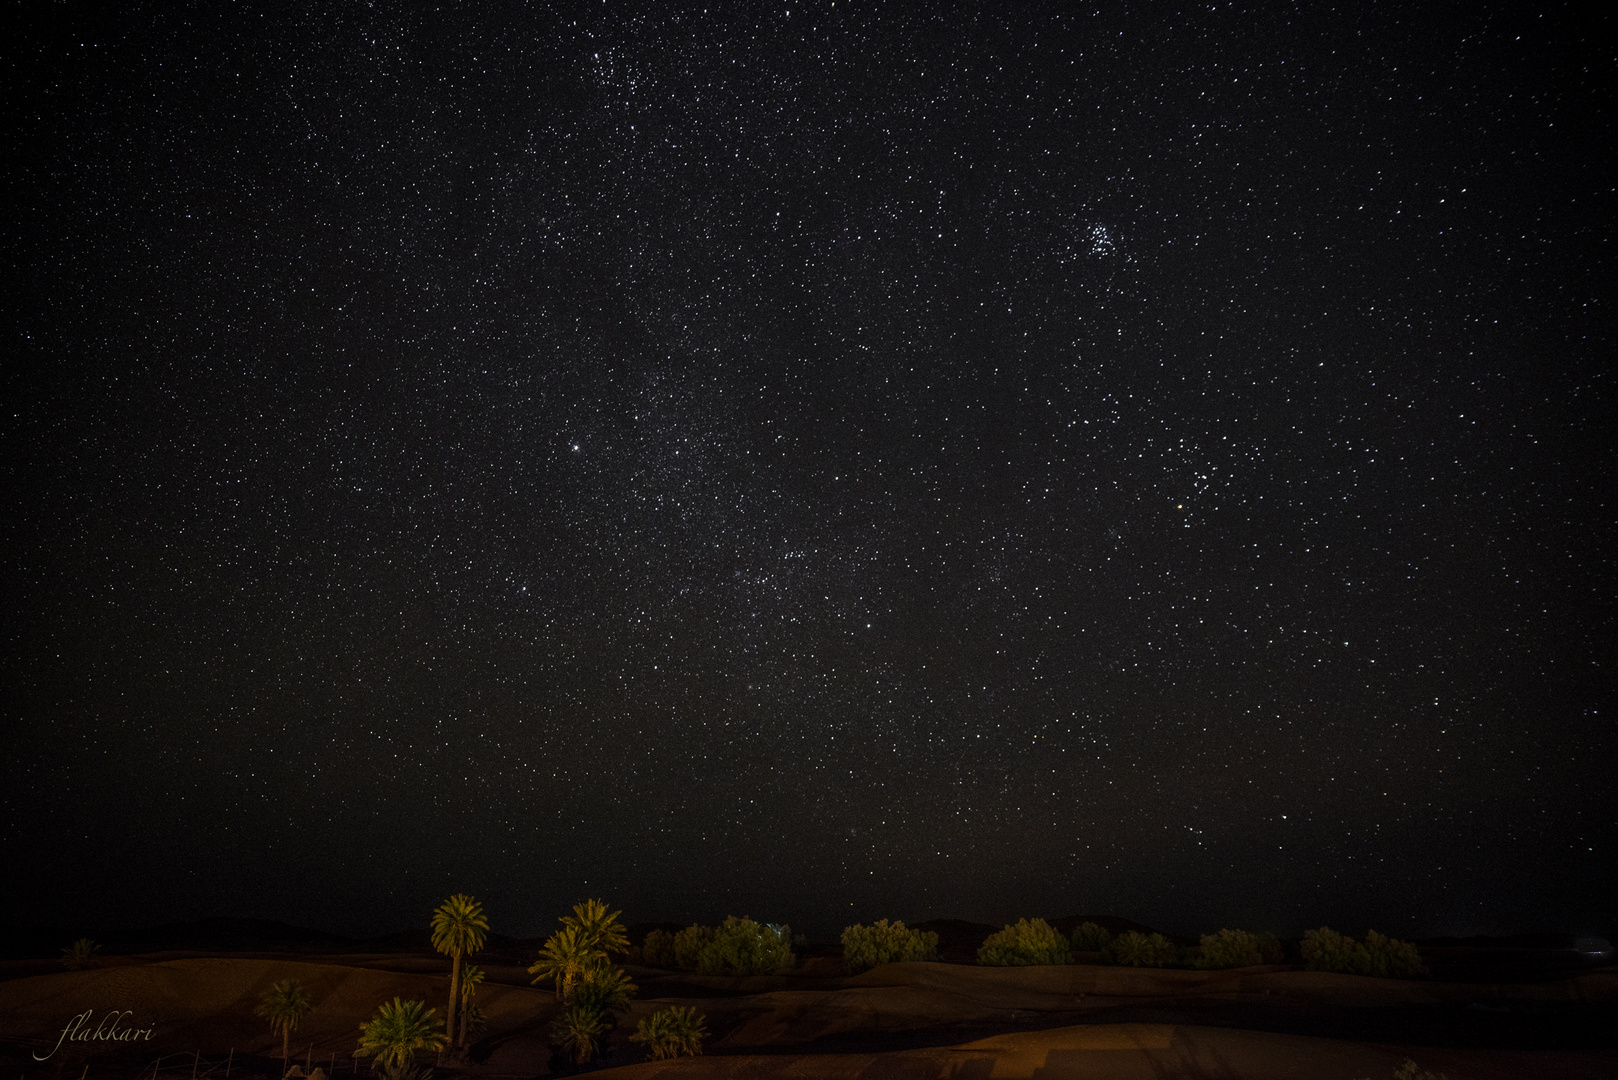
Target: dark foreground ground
(1524,1008)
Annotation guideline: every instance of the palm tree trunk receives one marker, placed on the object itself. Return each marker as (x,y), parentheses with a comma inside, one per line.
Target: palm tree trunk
(286,1036)
(454,994)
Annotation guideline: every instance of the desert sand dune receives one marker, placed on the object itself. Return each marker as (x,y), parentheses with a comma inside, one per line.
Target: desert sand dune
(789,1025)
(908,997)
(1131,1052)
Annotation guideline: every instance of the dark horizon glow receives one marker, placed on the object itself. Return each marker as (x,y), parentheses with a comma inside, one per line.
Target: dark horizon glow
(820,465)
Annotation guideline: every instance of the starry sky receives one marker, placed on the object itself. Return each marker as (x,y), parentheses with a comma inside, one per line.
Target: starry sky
(819,461)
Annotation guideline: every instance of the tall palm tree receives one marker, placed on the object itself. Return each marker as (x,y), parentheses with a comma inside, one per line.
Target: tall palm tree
(284,1005)
(398,1031)
(459,927)
(593,918)
(566,956)
(471,979)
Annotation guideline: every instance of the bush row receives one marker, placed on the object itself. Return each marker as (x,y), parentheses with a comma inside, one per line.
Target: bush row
(1035,941)
(1385,957)
(738,946)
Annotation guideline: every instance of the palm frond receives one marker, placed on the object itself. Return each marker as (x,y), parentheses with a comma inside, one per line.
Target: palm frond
(459,925)
(592,917)
(565,956)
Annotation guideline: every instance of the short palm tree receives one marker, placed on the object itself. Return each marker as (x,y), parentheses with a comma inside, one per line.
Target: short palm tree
(672,1032)
(80,954)
(603,988)
(565,957)
(459,927)
(592,917)
(284,1005)
(398,1031)
(471,979)
(579,1030)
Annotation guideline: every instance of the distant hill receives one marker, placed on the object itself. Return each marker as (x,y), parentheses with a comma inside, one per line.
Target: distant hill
(225,935)
(497,946)
(637,931)
(215,934)
(228,935)
(1511,941)
(28,942)
(958,940)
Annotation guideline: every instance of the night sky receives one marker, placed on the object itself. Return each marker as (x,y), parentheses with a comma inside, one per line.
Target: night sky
(814,461)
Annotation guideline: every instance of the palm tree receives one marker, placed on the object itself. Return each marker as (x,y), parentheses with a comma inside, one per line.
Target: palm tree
(458,928)
(398,1031)
(672,1032)
(471,979)
(603,988)
(566,955)
(284,1005)
(80,954)
(593,918)
(580,1030)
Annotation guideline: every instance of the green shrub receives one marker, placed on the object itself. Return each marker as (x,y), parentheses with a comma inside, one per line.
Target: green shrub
(741,946)
(1327,950)
(1389,958)
(1135,949)
(658,949)
(864,947)
(671,1033)
(1091,937)
(738,947)
(1392,958)
(688,945)
(1024,943)
(1230,949)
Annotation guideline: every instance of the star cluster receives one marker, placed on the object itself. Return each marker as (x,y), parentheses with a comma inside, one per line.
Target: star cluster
(813,461)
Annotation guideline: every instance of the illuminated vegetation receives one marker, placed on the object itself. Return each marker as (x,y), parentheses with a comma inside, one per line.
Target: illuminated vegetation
(865,947)
(1237,948)
(671,1033)
(459,927)
(398,1031)
(1025,943)
(1091,937)
(1384,957)
(738,946)
(591,989)
(284,1005)
(1135,949)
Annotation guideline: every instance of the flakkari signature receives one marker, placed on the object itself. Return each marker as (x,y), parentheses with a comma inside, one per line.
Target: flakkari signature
(78,1030)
